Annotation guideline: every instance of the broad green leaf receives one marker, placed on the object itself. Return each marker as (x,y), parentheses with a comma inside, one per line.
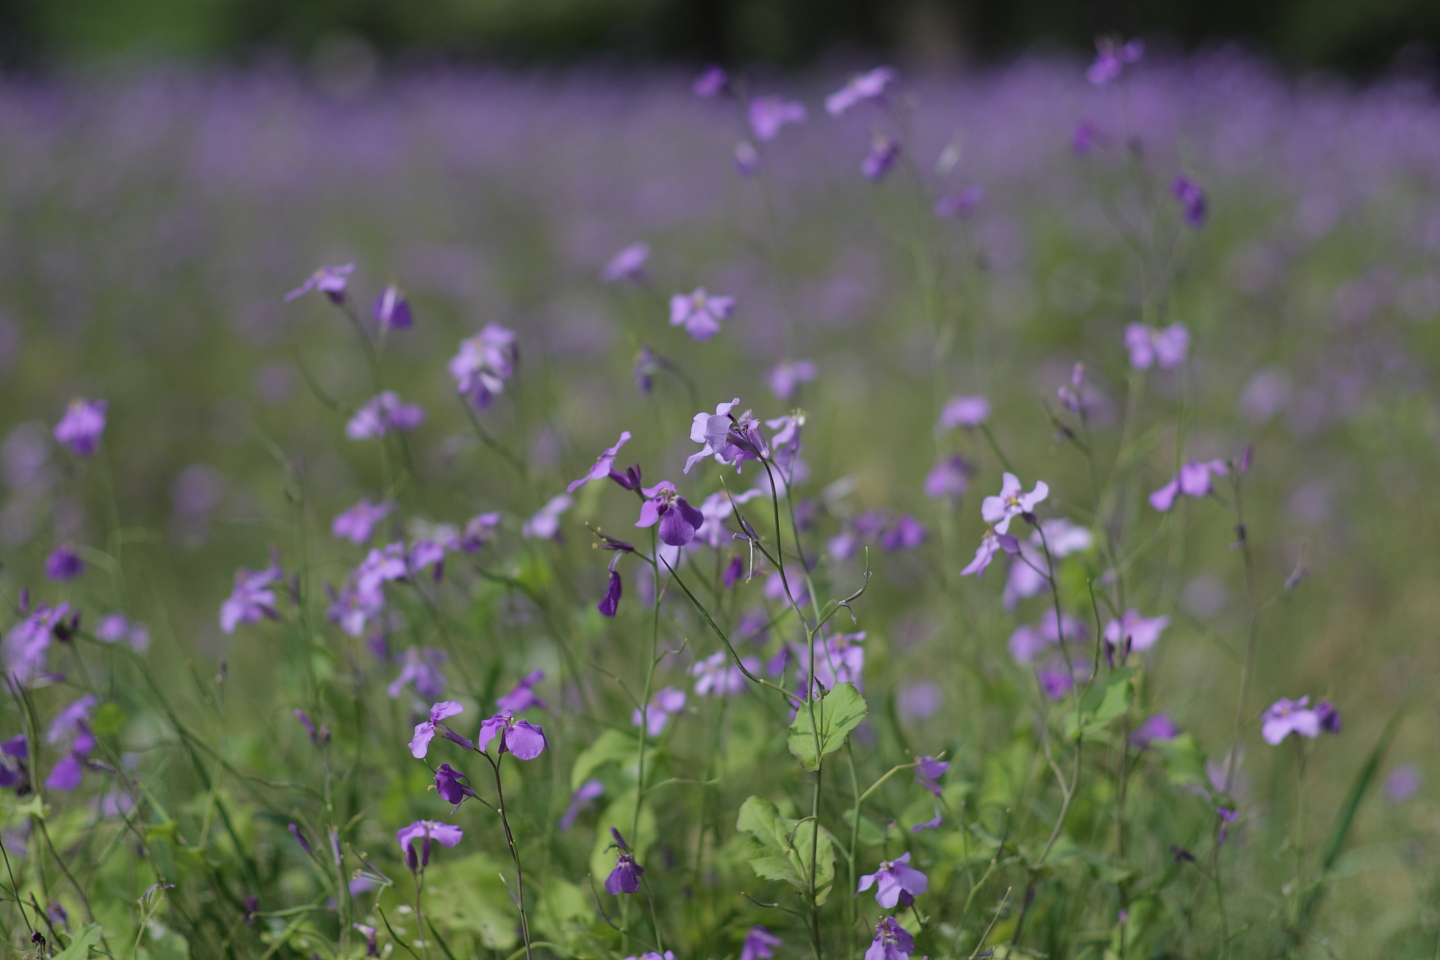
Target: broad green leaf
(81,943)
(779,848)
(612,745)
(839,712)
(1102,703)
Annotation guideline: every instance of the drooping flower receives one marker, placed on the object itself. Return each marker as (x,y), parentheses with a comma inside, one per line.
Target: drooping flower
(382,414)
(628,264)
(1152,346)
(928,771)
(990,544)
(895,882)
(784,377)
(524,739)
(420,666)
(583,797)
(759,944)
(1157,727)
(625,878)
(64,563)
(884,151)
(1010,503)
(1111,59)
(392,310)
(251,599)
(965,412)
(711,82)
(358,523)
(861,87)
(892,941)
(1140,633)
(716,676)
(426,730)
(677,519)
(81,426)
(448,784)
(484,363)
(663,705)
(700,313)
(1193,480)
(545,525)
(328,280)
(523,697)
(604,465)
(1284,717)
(769,114)
(1192,199)
(425,832)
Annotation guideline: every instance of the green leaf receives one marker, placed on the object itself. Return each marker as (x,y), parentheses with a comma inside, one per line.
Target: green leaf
(610,746)
(1183,759)
(779,848)
(1102,703)
(467,895)
(81,943)
(108,720)
(836,714)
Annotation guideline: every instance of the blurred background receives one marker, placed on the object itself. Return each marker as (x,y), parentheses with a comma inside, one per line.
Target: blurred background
(1356,37)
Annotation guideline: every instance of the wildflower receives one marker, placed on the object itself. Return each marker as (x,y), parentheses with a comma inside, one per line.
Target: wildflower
(1055,684)
(838,659)
(520,737)
(484,363)
(1402,783)
(1151,346)
(892,941)
(1085,138)
(700,313)
(545,525)
(328,280)
(906,533)
(382,414)
(928,771)
(372,947)
(1192,199)
(358,523)
(1157,727)
(625,878)
(1193,480)
(711,82)
(301,839)
(1227,817)
(18,749)
(588,792)
(64,564)
(81,426)
(604,465)
(895,882)
(1027,642)
(862,87)
(769,114)
(1028,571)
(628,264)
(747,159)
(392,309)
(1000,510)
(786,376)
(990,543)
(718,677)
(28,641)
(953,205)
(728,438)
(72,724)
(759,944)
(523,698)
(477,531)
(964,412)
(420,666)
(426,553)
(1284,717)
(251,599)
(1111,59)
(1329,716)
(930,824)
(609,604)
(663,705)
(426,730)
(678,520)
(425,831)
(647,364)
(448,785)
(1134,632)
(884,151)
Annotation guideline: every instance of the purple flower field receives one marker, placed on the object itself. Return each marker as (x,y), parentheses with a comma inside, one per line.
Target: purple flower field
(633,515)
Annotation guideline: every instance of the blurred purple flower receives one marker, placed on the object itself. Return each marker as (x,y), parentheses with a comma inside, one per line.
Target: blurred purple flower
(114,627)
(906,533)
(628,264)
(1284,717)
(81,426)
(589,791)
(1112,58)
(700,313)
(769,114)
(949,478)
(1402,783)
(524,739)
(964,412)
(328,280)
(318,737)
(759,944)
(425,831)
(862,87)
(663,705)
(523,697)
(716,676)
(838,659)
(1054,683)
(604,465)
(251,599)
(300,839)
(1192,199)
(420,666)
(1027,575)
(1134,632)
(919,701)
(392,310)
(64,564)
(477,531)
(357,523)
(953,205)
(711,82)
(382,414)
(1157,727)
(1329,716)
(1151,346)
(1193,480)
(786,376)
(28,641)
(747,159)
(895,882)
(484,363)
(892,941)
(1085,138)
(931,824)
(884,151)
(928,771)
(545,525)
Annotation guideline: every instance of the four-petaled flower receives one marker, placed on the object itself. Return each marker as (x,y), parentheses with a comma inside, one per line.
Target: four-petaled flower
(700,313)
(522,698)
(1193,480)
(677,518)
(892,941)
(730,439)
(328,280)
(998,511)
(426,730)
(928,771)
(251,599)
(1284,717)
(1154,347)
(484,363)
(426,832)
(81,426)
(863,86)
(604,465)
(895,882)
(524,739)
(663,705)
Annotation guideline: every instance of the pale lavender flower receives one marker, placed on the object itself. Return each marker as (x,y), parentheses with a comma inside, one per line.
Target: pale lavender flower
(64,564)
(357,523)
(861,87)
(1011,503)
(382,414)
(628,264)
(1284,717)
(759,944)
(892,941)
(1402,783)
(1111,59)
(424,832)
(524,739)
(726,437)
(1193,480)
(604,464)
(588,792)
(769,114)
(950,478)
(478,530)
(251,599)
(420,666)
(965,412)
(716,676)
(1134,632)
(920,701)
(954,205)
(895,882)
(1192,199)
(747,159)
(1027,575)
(81,426)
(884,151)
(699,313)
(838,659)
(328,280)
(484,363)
(663,705)
(928,772)
(71,725)
(786,376)
(1157,727)
(392,310)
(523,697)
(1152,346)
(115,627)
(711,82)
(545,525)
(28,641)
(990,544)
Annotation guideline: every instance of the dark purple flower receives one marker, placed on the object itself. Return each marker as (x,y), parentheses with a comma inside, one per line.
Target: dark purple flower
(448,785)
(769,114)
(520,737)
(81,426)
(358,523)
(906,533)
(300,839)
(392,309)
(862,87)
(588,792)
(1152,346)
(484,363)
(545,525)
(663,705)
(1193,480)
(953,205)
(1157,727)
(523,697)
(895,882)
(759,944)
(1054,683)
(251,599)
(420,666)
(328,280)
(677,519)
(1192,199)
(1329,716)
(1111,59)
(884,151)
(426,730)
(604,465)
(1284,717)
(64,564)
(628,264)
(928,771)
(625,878)
(318,738)
(965,412)
(381,415)
(610,603)
(425,831)
(711,82)
(699,313)
(892,941)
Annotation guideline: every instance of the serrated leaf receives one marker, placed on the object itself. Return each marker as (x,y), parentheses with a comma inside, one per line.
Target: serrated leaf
(612,745)
(779,848)
(836,714)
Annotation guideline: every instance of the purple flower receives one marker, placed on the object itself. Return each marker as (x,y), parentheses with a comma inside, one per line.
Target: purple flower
(931,824)
(730,439)
(1134,632)
(448,785)
(425,831)
(382,414)
(1402,783)
(82,425)
(478,530)
(786,376)
(318,738)
(1151,346)
(484,363)
(628,264)
(663,705)
(420,666)
(589,790)
(1027,576)
(769,114)
(426,730)
(357,523)
(928,771)
(71,724)
(545,525)
(711,82)
(838,659)
(964,412)
(1027,642)
(625,878)
(251,599)
(1284,717)
(678,520)
(1055,684)
(1158,727)
(1000,510)
(906,533)
(895,882)
(759,944)
(300,839)
(953,205)
(700,313)
(1329,716)
(1111,59)
(64,564)
(520,737)
(604,465)
(1193,480)
(747,159)
(884,151)
(892,941)
(328,280)
(990,543)
(1085,138)
(716,676)
(28,641)
(862,87)
(392,309)
(523,698)
(1192,199)
(609,604)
